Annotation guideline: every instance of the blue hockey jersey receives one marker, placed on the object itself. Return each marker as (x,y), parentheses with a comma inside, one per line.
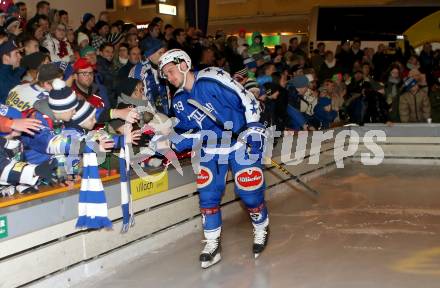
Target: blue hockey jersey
(227,99)
(45,143)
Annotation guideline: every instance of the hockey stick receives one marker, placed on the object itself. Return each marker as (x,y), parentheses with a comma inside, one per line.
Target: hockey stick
(208,113)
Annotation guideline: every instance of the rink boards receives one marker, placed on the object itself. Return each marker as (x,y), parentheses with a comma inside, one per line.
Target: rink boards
(43,248)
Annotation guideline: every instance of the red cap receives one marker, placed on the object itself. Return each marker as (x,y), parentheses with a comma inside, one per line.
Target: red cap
(82,63)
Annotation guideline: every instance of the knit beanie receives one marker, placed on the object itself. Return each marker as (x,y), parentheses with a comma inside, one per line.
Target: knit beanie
(115,38)
(87,17)
(243,73)
(61,97)
(81,63)
(250,84)
(250,63)
(152,46)
(300,81)
(86,50)
(83,111)
(81,37)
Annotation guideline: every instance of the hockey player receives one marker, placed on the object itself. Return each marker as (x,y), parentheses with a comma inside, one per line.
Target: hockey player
(230,103)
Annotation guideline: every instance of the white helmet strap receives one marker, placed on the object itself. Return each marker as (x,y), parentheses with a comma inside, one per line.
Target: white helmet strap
(185,73)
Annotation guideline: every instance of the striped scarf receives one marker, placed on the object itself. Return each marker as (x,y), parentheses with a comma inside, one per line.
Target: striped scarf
(92,206)
(126,199)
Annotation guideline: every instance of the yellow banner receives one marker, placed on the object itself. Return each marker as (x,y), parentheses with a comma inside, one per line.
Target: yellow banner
(151,185)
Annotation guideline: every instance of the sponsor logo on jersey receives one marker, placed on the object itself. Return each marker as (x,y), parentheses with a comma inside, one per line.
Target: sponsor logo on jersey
(204,178)
(14,100)
(198,115)
(3,110)
(249,179)
(18,167)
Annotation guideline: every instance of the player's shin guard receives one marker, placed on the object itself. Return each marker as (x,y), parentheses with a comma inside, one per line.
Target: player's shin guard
(210,254)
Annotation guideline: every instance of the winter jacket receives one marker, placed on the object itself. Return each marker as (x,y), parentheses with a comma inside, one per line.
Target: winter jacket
(53,45)
(13,171)
(96,95)
(256,48)
(275,111)
(392,97)
(106,77)
(235,60)
(324,117)
(46,142)
(9,79)
(293,96)
(414,107)
(346,60)
(434,99)
(326,72)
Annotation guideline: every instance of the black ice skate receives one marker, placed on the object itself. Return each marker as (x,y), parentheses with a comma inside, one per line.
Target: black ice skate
(211,253)
(260,240)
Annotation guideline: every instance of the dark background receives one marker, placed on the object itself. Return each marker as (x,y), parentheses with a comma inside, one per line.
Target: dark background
(368,23)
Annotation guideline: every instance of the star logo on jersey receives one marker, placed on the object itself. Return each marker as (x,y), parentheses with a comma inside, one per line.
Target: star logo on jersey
(220,72)
(243,91)
(254,110)
(208,70)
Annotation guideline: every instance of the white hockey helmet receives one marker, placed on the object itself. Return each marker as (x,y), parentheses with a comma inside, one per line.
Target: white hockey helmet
(175,56)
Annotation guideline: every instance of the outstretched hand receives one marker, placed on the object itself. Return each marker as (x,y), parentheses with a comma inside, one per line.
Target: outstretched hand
(131,136)
(105,144)
(27,125)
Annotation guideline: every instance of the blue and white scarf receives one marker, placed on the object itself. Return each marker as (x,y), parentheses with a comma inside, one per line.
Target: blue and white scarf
(126,199)
(92,206)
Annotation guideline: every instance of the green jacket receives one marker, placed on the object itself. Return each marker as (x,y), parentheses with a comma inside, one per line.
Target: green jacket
(256,48)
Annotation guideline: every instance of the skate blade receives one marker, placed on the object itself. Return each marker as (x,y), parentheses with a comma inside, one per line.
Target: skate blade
(208,264)
(256,255)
